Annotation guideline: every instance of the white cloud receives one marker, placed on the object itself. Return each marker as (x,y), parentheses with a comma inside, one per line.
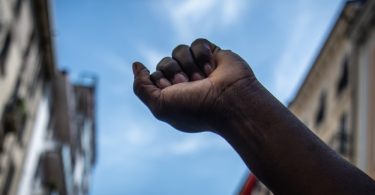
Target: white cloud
(293,60)
(199,17)
(186,146)
(140,141)
(137,136)
(196,143)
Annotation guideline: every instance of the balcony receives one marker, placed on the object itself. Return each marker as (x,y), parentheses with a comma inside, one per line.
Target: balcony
(14,117)
(342,144)
(57,171)
(53,172)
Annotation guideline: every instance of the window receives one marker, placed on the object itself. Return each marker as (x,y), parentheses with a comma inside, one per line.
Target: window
(343,137)
(343,81)
(321,110)
(4,54)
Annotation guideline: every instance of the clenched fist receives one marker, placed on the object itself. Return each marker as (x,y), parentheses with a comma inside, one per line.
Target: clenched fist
(197,87)
(204,88)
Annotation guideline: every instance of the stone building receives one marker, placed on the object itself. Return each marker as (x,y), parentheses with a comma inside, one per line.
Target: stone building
(47,124)
(337,98)
(62,154)
(26,69)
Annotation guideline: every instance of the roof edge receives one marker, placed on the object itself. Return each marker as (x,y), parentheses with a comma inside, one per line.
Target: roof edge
(322,49)
(42,14)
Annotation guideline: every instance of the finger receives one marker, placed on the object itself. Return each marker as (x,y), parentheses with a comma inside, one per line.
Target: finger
(159,79)
(202,51)
(143,87)
(172,70)
(186,60)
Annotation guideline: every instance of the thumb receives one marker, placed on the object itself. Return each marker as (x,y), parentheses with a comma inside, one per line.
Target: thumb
(143,87)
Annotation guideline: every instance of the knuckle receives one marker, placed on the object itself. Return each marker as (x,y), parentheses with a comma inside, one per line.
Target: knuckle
(136,85)
(202,56)
(165,59)
(164,63)
(156,74)
(179,48)
(144,95)
(138,90)
(154,77)
(199,42)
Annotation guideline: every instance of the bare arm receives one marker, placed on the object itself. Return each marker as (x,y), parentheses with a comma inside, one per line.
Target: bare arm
(204,88)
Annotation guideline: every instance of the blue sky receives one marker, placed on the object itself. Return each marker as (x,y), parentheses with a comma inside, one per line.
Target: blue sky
(138,154)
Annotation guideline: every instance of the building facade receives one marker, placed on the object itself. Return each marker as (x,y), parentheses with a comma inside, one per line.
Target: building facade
(63,152)
(337,98)
(47,124)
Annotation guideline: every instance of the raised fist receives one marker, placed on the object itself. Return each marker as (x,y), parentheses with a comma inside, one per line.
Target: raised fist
(197,88)
(204,88)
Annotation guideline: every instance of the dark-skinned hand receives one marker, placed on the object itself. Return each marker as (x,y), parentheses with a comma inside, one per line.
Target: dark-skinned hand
(196,87)
(204,88)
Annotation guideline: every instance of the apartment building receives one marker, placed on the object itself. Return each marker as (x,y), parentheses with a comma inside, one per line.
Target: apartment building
(47,124)
(337,98)
(26,68)
(62,154)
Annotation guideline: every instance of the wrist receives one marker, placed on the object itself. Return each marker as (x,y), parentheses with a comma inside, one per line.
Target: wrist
(237,106)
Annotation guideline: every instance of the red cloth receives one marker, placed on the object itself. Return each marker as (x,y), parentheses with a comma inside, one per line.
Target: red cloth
(249,185)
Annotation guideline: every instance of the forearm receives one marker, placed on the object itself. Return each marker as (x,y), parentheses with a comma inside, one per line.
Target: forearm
(283,153)
(227,99)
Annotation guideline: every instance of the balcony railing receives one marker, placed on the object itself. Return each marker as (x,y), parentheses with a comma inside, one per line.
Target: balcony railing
(15,115)
(343,143)
(57,170)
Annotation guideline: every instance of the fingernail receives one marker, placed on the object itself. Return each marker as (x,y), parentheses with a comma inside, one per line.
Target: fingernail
(196,76)
(207,69)
(179,78)
(163,83)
